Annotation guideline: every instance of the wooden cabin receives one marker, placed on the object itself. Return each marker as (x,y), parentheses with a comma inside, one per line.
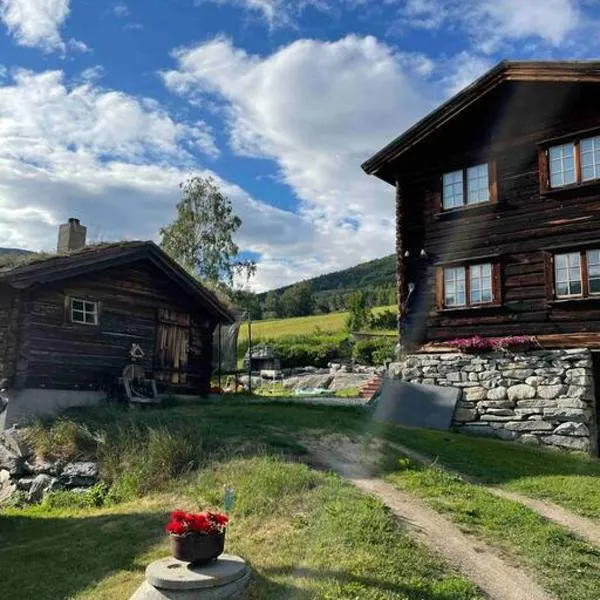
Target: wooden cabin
(498,209)
(69,321)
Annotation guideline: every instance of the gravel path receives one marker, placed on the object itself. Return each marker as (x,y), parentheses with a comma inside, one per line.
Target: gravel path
(478,561)
(586,529)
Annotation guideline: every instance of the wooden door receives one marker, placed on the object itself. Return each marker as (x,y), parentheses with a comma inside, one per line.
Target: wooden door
(172,346)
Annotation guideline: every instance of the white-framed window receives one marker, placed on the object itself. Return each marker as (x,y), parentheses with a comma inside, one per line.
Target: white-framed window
(562,165)
(567,275)
(590,158)
(84,312)
(481,283)
(593,271)
(454,286)
(453,192)
(478,185)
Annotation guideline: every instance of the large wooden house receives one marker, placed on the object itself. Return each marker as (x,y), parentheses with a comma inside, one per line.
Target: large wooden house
(498,209)
(69,321)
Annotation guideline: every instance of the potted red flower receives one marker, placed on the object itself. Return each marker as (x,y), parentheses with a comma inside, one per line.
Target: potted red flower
(197,537)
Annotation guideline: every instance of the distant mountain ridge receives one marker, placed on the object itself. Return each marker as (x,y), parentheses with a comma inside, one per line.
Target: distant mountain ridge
(380,272)
(14,251)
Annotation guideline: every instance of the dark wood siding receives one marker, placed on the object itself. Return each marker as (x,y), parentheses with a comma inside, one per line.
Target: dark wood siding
(60,354)
(9,319)
(518,232)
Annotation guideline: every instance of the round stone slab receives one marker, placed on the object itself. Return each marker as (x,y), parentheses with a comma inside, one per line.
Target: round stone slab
(172,574)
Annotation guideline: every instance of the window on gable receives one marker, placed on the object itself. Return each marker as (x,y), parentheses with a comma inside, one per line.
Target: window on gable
(570,164)
(577,274)
(467,187)
(468,285)
(84,312)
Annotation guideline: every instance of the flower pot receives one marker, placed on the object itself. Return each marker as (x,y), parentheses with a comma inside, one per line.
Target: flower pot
(198,548)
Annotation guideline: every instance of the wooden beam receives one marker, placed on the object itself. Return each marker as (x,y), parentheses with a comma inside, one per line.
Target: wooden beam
(400,267)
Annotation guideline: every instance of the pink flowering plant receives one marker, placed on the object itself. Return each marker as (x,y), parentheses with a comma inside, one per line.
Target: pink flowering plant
(478,344)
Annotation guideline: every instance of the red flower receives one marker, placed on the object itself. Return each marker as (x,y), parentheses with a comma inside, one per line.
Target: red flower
(178,515)
(177,527)
(219,518)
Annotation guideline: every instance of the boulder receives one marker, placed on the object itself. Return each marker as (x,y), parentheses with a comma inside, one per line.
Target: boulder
(79,474)
(475,394)
(567,414)
(465,414)
(497,393)
(40,486)
(313,381)
(529,426)
(572,428)
(521,391)
(529,439)
(344,381)
(521,374)
(566,441)
(7,486)
(13,452)
(549,392)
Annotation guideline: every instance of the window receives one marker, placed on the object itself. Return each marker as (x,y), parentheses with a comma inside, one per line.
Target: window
(567,275)
(453,190)
(577,274)
(84,312)
(481,283)
(454,286)
(469,285)
(572,163)
(562,165)
(467,187)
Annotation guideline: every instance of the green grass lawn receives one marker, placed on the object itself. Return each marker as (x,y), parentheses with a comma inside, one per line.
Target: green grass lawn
(564,564)
(278,328)
(305,534)
(571,480)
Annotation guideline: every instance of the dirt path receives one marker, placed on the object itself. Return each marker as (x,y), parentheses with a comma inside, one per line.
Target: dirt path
(586,529)
(475,559)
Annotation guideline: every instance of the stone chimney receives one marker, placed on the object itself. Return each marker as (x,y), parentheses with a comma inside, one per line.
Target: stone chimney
(71,236)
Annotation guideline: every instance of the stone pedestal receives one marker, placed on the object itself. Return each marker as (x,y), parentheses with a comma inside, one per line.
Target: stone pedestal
(172,579)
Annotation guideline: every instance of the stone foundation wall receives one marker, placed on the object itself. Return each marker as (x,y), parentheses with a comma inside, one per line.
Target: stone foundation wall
(535,397)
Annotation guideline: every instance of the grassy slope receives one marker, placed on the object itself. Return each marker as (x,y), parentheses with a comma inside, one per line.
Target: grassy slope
(306,534)
(565,565)
(278,328)
(571,480)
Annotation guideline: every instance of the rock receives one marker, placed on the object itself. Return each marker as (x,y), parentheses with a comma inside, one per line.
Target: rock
(344,381)
(526,412)
(271,374)
(475,394)
(549,392)
(497,393)
(81,469)
(7,486)
(314,381)
(487,375)
(529,439)
(24,483)
(477,429)
(395,371)
(521,391)
(500,412)
(521,374)
(43,466)
(465,414)
(565,441)
(454,377)
(536,404)
(579,392)
(534,380)
(529,426)
(41,484)
(496,404)
(572,428)
(570,403)
(497,418)
(505,434)
(567,414)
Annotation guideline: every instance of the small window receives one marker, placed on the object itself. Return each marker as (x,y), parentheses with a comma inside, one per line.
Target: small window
(453,190)
(454,287)
(562,165)
(468,187)
(567,274)
(478,187)
(84,312)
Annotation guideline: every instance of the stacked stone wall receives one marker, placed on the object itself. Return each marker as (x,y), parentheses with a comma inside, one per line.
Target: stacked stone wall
(541,397)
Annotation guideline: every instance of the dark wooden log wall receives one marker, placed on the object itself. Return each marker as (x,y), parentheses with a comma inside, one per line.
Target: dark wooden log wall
(59,354)
(9,321)
(515,230)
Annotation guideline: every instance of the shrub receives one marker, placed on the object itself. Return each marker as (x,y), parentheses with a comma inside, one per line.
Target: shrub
(374,351)
(63,438)
(387,319)
(90,498)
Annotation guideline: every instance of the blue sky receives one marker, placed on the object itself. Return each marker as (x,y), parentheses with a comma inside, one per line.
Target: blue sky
(106,106)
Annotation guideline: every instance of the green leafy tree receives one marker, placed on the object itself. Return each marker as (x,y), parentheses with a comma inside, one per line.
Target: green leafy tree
(298,300)
(248,303)
(201,236)
(273,305)
(359,311)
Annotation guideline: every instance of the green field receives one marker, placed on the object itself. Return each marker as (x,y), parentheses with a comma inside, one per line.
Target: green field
(279,328)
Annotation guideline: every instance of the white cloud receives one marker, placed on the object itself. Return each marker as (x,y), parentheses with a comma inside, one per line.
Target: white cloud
(490,23)
(113,160)
(319,109)
(121,10)
(35,23)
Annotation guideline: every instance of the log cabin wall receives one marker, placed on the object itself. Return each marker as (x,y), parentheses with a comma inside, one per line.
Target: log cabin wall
(519,231)
(59,354)
(9,320)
